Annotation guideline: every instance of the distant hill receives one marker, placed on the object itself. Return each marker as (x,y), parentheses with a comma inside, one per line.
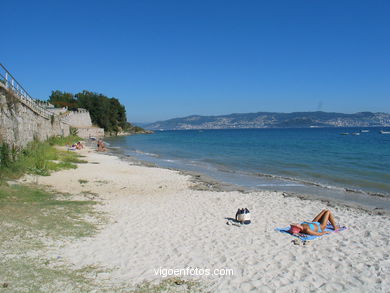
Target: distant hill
(274,120)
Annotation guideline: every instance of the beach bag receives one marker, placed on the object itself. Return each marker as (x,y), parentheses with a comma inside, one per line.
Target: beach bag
(243,216)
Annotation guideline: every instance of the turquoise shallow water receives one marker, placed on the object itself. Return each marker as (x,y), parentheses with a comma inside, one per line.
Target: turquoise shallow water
(273,158)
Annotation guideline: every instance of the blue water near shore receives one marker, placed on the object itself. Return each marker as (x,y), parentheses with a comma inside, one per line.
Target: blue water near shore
(278,159)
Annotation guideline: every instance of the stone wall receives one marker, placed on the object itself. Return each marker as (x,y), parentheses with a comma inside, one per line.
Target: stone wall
(57,111)
(20,124)
(87,132)
(80,118)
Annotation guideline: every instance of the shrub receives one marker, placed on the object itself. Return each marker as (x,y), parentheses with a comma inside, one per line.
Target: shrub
(5,155)
(37,158)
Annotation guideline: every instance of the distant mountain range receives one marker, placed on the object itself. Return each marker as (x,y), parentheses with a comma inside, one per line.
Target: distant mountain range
(274,120)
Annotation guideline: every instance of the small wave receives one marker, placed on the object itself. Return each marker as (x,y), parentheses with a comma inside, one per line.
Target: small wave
(301,181)
(317,184)
(370,193)
(146,153)
(280,185)
(225,169)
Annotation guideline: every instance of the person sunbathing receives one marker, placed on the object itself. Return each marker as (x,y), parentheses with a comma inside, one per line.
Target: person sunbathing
(72,147)
(317,226)
(79,146)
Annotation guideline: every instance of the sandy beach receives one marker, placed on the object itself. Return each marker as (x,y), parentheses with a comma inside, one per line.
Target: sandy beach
(159,221)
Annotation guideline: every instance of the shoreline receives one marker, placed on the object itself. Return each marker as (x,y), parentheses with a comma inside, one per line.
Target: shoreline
(160,218)
(206,182)
(341,175)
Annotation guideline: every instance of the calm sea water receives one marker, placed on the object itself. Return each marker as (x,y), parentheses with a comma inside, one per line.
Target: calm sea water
(281,159)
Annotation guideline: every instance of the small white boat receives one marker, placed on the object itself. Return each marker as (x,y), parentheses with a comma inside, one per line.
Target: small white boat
(384,132)
(356,133)
(364,130)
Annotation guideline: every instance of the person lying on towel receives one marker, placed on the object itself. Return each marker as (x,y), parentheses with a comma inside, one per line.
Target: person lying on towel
(317,226)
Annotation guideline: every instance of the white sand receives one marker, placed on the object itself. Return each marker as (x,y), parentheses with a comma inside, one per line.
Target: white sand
(158,221)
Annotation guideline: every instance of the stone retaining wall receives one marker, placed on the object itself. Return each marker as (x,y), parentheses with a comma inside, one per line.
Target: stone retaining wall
(80,118)
(19,124)
(87,132)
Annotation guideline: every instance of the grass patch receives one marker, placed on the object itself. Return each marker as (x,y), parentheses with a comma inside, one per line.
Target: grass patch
(62,141)
(26,208)
(53,166)
(28,275)
(170,285)
(70,157)
(38,158)
(29,217)
(89,194)
(83,181)
(102,181)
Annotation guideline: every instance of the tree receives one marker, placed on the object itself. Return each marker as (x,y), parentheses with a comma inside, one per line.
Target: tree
(63,99)
(105,112)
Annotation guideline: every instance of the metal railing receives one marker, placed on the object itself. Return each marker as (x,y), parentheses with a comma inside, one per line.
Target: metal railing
(10,83)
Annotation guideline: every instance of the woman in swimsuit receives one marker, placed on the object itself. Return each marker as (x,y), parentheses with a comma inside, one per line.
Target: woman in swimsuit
(317,226)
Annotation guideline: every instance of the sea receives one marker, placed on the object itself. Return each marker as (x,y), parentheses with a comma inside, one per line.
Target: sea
(347,164)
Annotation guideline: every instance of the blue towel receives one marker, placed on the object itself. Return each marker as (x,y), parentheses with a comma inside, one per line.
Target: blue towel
(306,237)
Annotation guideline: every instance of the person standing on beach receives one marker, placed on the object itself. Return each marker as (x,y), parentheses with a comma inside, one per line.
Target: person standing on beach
(101,146)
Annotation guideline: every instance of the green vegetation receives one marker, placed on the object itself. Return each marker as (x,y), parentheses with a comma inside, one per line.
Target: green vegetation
(63,99)
(107,113)
(24,207)
(32,219)
(37,158)
(29,219)
(73,131)
(63,140)
(170,285)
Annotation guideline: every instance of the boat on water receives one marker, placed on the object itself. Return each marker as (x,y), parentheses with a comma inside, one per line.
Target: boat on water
(356,133)
(384,132)
(364,130)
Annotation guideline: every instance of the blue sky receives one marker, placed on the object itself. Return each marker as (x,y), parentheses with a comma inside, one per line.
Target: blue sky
(166,59)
